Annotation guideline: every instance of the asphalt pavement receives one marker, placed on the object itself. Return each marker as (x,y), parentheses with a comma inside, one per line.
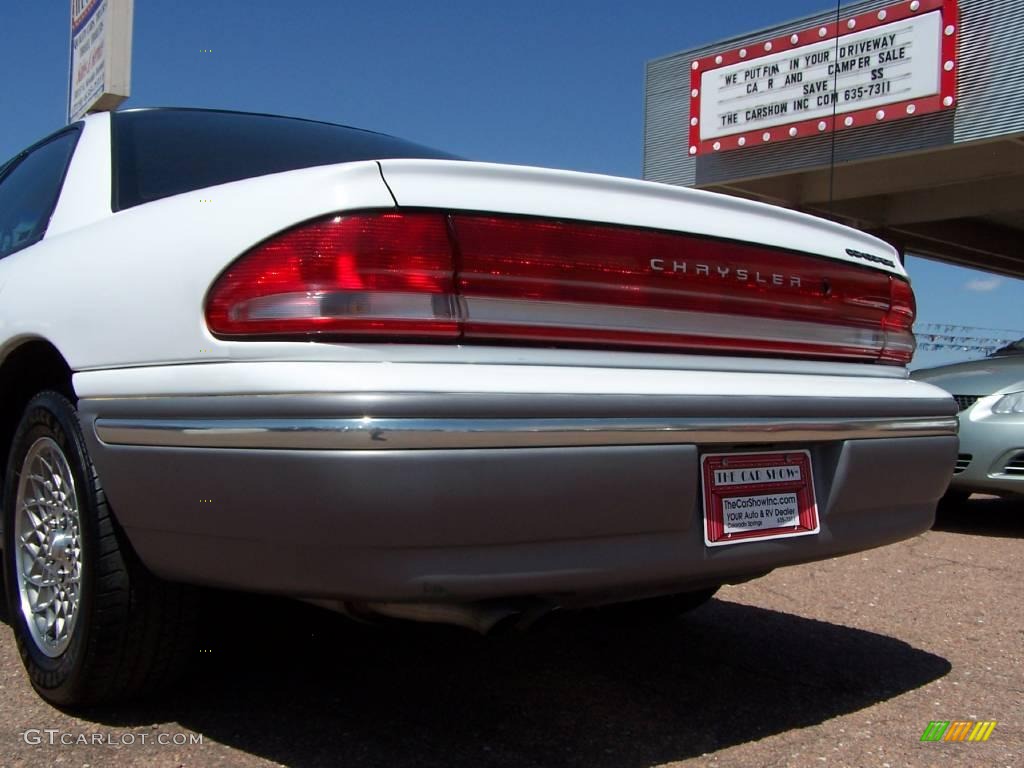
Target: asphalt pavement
(843,662)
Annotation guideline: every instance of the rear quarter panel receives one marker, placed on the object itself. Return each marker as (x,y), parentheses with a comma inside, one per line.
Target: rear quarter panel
(128,288)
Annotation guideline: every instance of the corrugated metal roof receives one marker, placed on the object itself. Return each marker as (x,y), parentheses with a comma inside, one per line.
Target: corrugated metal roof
(991,97)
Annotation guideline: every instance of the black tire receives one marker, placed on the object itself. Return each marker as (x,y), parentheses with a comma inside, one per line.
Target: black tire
(654,610)
(133,632)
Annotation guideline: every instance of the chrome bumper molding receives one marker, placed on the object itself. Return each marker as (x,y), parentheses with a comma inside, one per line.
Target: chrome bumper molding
(418,434)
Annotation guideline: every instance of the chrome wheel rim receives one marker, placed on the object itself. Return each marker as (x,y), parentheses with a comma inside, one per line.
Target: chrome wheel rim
(48,556)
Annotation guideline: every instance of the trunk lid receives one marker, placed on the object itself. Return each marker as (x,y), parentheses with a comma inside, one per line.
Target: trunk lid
(511,189)
(506,255)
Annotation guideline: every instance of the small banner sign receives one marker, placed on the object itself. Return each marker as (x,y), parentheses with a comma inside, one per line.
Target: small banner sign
(101,44)
(885,65)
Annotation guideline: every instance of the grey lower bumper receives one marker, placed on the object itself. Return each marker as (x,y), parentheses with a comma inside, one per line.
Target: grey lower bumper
(597,497)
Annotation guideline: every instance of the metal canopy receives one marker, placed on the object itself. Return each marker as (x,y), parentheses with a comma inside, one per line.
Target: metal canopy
(961,204)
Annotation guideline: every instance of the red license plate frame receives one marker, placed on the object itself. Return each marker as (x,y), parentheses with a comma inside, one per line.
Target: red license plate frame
(756,496)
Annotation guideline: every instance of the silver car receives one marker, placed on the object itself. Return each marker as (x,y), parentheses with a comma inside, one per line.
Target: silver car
(990,397)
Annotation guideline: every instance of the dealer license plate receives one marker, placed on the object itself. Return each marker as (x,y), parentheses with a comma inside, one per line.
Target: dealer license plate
(757,496)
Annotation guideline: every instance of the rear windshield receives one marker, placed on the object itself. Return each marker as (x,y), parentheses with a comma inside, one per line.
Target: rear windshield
(164,152)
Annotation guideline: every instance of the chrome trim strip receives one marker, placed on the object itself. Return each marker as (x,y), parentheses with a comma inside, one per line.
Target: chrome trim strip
(410,433)
(485,311)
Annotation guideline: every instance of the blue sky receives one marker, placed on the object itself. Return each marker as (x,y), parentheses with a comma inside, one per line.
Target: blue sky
(543,83)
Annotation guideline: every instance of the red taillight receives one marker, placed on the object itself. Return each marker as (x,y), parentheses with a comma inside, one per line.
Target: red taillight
(362,274)
(569,283)
(899,323)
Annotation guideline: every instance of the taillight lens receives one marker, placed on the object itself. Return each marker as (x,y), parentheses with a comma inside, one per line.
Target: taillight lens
(573,282)
(898,322)
(526,280)
(364,274)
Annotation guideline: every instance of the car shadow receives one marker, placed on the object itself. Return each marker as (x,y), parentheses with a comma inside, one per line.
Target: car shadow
(303,687)
(983,516)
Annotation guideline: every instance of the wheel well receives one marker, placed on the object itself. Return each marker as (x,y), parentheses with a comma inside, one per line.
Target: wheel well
(28,370)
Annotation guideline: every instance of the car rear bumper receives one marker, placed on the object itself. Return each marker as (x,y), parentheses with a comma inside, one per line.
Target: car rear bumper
(466,496)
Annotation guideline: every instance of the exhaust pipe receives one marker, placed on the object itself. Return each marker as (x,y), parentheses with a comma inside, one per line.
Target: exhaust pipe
(483,618)
(480,618)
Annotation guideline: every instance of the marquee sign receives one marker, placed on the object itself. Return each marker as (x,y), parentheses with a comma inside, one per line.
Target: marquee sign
(890,64)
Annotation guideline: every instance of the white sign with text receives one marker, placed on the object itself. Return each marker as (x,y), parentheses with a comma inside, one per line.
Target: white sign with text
(883,65)
(754,513)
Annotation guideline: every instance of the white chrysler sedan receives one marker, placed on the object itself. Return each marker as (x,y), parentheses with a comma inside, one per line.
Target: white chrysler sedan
(291,357)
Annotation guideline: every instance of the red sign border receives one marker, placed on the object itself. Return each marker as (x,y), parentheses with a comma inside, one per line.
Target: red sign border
(946,98)
(714,516)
